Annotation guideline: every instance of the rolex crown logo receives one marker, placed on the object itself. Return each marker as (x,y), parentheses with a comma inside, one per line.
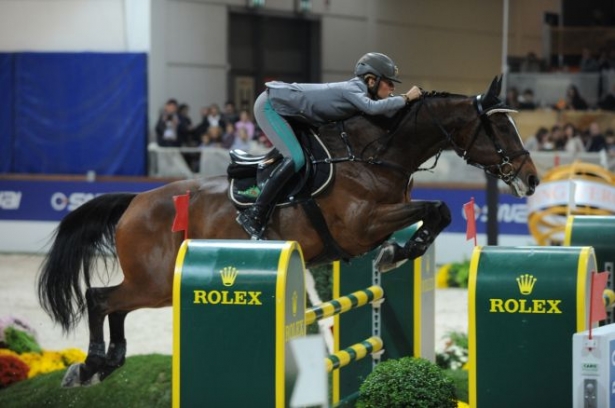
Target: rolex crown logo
(228,274)
(526,283)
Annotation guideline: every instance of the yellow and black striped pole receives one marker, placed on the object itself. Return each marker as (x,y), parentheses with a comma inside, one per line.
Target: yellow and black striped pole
(353,353)
(344,304)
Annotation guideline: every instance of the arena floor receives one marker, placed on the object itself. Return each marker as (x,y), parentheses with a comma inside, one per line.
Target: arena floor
(148,330)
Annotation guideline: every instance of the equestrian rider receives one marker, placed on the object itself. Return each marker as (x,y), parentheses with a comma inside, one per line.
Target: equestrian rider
(370,92)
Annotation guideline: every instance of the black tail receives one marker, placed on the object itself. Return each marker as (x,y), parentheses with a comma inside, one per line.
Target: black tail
(81,236)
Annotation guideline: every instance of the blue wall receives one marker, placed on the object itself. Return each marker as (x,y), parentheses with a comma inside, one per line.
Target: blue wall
(68,113)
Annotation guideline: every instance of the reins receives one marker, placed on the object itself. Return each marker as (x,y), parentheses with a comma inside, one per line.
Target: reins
(506,171)
(352,157)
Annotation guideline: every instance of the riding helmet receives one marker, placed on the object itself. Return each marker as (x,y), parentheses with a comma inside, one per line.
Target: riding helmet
(377,64)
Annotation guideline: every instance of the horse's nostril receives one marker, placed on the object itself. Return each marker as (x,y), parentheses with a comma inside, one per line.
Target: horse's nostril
(532,182)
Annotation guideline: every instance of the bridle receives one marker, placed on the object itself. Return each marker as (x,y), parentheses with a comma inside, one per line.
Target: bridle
(504,170)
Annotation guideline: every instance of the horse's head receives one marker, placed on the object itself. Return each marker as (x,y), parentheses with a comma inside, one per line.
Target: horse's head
(491,142)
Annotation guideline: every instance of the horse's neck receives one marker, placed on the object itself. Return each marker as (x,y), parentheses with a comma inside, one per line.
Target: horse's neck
(431,124)
(407,141)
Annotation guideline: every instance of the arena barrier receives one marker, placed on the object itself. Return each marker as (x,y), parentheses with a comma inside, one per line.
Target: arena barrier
(525,304)
(597,231)
(237,304)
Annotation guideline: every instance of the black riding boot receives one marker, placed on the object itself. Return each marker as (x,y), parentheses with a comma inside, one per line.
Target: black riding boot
(255,218)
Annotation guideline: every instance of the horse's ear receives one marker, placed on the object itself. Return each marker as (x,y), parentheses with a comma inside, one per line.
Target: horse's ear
(492,96)
(495,88)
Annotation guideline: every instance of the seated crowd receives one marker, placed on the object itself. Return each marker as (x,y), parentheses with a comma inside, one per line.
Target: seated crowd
(225,129)
(567,138)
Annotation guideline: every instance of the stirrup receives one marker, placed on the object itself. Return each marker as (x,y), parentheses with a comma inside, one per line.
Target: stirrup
(252,225)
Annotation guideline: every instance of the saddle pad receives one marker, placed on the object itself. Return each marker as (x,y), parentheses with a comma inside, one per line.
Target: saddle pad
(314,177)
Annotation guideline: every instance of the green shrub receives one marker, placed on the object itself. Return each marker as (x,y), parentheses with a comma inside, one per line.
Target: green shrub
(20,341)
(458,274)
(408,383)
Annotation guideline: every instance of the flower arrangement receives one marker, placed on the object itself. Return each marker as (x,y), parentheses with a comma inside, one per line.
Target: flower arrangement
(12,370)
(453,275)
(21,356)
(454,354)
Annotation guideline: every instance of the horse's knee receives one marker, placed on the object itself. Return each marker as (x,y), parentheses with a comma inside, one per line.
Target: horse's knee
(445,214)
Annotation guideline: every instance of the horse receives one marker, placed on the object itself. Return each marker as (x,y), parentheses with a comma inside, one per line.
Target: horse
(368,199)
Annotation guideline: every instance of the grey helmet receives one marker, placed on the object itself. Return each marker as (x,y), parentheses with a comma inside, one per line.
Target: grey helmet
(377,64)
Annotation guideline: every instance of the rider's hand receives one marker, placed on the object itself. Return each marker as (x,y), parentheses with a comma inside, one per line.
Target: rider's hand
(413,93)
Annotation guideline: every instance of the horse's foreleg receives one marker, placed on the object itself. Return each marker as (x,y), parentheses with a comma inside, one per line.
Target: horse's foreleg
(435,216)
(88,373)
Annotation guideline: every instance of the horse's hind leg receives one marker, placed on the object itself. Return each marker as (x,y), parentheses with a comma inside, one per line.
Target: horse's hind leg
(436,217)
(88,373)
(116,354)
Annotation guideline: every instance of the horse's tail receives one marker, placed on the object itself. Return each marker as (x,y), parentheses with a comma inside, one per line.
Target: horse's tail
(82,235)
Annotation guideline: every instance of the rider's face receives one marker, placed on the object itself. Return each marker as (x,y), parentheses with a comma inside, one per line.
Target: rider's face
(386,88)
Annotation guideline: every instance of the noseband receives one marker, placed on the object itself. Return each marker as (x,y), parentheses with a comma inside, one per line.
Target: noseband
(504,170)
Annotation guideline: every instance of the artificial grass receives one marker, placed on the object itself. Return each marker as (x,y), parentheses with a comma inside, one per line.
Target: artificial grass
(143,382)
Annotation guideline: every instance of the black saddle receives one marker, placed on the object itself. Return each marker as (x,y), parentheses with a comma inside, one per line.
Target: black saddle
(248,172)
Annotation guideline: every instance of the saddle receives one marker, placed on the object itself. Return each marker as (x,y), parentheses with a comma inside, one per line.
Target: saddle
(247,172)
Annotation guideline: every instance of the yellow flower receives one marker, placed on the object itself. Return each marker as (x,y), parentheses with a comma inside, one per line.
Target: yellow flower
(73,355)
(461,404)
(8,352)
(442,276)
(43,363)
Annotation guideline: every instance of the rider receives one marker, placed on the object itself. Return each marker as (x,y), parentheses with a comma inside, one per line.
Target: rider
(370,91)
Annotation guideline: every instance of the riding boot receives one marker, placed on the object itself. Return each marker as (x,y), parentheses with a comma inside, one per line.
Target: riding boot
(255,218)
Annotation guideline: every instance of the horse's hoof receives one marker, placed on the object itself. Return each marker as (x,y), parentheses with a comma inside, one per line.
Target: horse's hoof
(385,260)
(73,377)
(416,249)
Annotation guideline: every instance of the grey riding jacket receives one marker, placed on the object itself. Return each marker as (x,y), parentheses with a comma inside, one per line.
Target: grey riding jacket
(322,103)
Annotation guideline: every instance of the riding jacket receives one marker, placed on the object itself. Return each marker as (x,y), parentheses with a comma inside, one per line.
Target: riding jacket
(329,102)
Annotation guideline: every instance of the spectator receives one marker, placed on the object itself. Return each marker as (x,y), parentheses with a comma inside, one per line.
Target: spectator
(512,98)
(184,128)
(228,137)
(167,126)
(212,138)
(573,140)
(262,138)
(202,127)
(526,100)
(573,100)
(245,122)
(214,118)
(609,136)
(604,64)
(557,138)
(531,63)
(588,62)
(242,141)
(537,141)
(608,101)
(597,141)
(230,114)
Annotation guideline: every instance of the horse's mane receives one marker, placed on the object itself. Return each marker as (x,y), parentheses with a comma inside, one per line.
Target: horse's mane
(390,124)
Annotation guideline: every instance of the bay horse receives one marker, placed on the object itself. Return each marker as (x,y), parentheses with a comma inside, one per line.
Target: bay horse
(368,200)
